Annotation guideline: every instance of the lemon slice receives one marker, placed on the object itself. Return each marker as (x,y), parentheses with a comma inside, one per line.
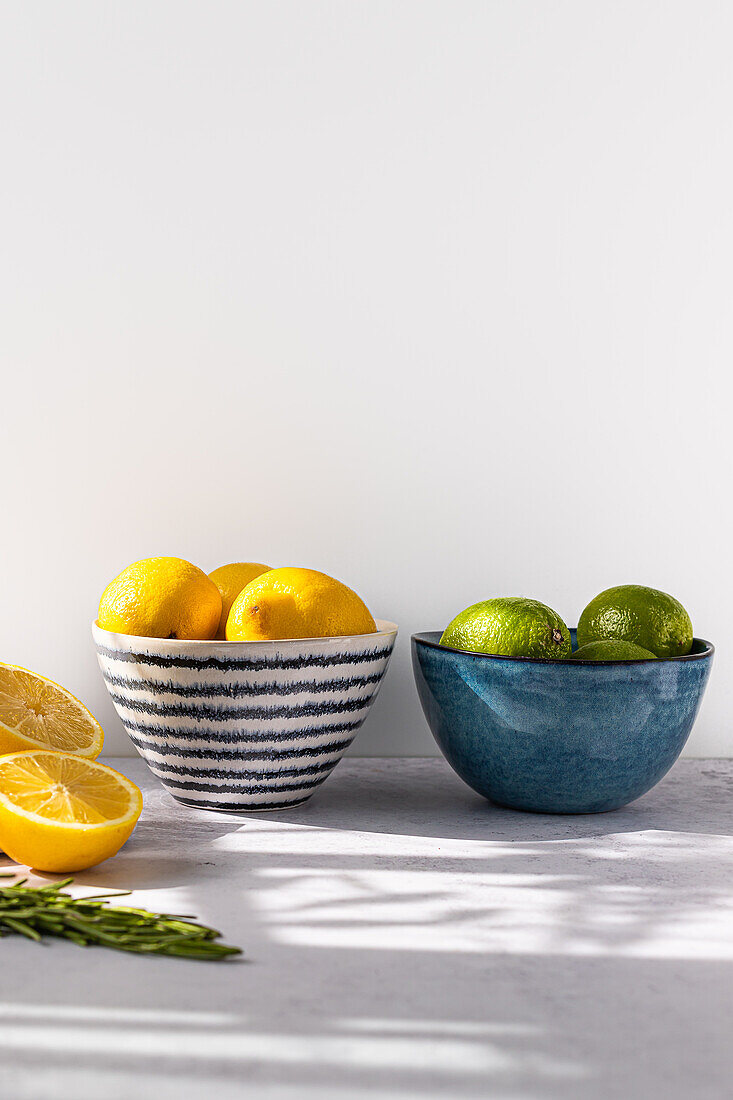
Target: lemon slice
(36,713)
(61,812)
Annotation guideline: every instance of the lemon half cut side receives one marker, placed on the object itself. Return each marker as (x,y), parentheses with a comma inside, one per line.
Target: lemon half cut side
(36,713)
(60,812)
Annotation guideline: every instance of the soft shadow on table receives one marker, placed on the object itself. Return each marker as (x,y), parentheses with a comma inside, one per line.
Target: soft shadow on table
(174,846)
(377,796)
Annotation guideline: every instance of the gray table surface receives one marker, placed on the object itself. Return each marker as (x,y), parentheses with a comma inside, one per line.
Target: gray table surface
(403,938)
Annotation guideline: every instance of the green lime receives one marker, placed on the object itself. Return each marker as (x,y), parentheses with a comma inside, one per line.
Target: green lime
(510,626)
(611,649)
(645,616)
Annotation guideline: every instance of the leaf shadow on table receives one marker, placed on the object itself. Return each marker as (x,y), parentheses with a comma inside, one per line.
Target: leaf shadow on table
(513,1026)
(451,1025)
(389,962)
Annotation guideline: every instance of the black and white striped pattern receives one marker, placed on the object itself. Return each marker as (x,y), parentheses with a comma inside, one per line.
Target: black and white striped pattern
(243,725)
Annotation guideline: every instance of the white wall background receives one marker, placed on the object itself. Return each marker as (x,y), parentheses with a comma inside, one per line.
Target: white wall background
(433,296)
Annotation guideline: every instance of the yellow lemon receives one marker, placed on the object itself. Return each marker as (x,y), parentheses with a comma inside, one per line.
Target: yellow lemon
(161,598)
(230,580)
(60,812)
(36,713)
(296,603)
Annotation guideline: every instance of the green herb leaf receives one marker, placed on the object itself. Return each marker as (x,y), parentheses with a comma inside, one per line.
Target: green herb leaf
(35,912)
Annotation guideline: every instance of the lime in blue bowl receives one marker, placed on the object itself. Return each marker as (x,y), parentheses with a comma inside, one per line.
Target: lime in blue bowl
(559,736)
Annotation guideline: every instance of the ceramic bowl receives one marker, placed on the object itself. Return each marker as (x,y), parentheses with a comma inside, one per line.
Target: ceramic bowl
(243,725)
(559,736)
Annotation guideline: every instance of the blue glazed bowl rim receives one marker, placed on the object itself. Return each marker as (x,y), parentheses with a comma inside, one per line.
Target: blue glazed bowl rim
(426,638)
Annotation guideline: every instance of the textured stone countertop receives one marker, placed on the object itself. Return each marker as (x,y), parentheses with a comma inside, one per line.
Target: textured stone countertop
(403,938)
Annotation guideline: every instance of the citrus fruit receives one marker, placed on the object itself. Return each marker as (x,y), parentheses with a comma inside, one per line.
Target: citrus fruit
(645,616)
(60,812)
(230,580)
(612,649)
(161,598)
(36,713)
(297,603)
(510,626)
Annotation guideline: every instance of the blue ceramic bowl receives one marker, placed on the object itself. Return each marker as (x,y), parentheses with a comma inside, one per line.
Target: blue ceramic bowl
(559,736)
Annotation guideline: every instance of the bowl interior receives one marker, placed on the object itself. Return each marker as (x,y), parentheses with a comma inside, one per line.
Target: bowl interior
(700,648)
(385,631)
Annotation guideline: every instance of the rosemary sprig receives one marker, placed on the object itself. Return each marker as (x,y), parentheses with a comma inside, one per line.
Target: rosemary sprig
(41,911)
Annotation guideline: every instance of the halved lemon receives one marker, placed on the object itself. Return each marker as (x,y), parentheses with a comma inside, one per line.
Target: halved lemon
(60,812)
(36,713)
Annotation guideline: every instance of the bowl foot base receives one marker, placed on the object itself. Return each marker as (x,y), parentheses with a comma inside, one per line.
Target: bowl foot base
(232,808)
(554,813)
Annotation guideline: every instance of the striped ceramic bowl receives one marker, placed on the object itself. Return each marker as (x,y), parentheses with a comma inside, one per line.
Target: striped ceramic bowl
(243,725)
